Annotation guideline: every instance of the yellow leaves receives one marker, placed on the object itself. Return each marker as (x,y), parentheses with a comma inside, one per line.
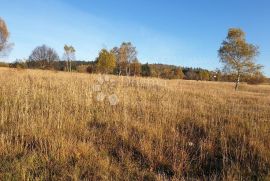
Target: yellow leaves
(236,53)
(236,33)
(106,61)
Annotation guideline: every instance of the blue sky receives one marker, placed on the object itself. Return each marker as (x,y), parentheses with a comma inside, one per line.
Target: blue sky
(179,32)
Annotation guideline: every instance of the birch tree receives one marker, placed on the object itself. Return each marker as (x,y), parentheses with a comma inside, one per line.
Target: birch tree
(238,56)
(125,55)
(69,56)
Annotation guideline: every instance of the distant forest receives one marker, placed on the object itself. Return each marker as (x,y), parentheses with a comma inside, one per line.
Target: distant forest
(147,70)
(237,56)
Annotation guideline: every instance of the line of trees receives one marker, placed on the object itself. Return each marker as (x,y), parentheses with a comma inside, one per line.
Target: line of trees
(119,61)
(123,61)
(237,56)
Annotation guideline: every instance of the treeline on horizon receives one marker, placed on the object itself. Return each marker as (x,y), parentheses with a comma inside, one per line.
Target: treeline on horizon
(236,54)
(121,61)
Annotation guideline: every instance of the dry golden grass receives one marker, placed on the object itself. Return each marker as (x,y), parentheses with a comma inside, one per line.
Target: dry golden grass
(53,128)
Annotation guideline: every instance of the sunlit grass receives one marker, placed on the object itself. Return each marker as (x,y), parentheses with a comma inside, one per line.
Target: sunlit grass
(52,127)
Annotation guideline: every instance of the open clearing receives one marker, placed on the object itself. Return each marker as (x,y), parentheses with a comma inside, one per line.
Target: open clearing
(64,126)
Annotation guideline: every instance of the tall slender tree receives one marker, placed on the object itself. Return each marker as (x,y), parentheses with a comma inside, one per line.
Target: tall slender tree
(238,56)
(69,56)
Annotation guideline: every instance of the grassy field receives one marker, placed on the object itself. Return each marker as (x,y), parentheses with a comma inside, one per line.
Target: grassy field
(71,126)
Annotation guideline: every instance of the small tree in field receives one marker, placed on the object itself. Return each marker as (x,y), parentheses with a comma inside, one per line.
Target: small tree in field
(106,61)
(4,35)
(69,56)
(238,56)
(145,70)
(43,57)
(125,55)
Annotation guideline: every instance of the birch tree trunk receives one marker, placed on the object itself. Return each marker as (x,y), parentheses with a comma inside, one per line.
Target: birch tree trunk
(70,65)
(237,81)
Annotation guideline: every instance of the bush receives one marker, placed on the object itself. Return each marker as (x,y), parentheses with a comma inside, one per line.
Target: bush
(91,69)
(82,68)
(19,64)
(3,64)
(256,79)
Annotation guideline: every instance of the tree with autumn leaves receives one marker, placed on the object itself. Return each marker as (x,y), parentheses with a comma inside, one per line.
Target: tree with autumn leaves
(126,56)
(106,61)
(5,46)
(238,56)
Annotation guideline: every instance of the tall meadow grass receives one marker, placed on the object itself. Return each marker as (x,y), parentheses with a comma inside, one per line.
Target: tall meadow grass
(53,127)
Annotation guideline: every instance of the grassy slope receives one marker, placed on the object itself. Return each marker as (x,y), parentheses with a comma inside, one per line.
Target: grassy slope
(53,128)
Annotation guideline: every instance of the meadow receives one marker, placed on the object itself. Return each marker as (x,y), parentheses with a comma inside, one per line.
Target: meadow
(76,126)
